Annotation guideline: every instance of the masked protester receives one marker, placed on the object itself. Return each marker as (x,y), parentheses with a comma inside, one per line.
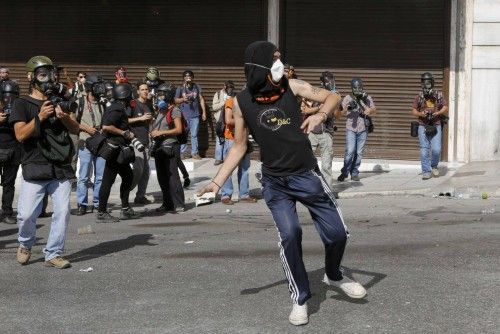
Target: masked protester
(218,102)
(430,108)
(358,109)
(166,149)
(78,88)
(115,127)
(268,109)
(43,126)
(153,80)
(10,154)
(121,75)
(89,116)
(191,102)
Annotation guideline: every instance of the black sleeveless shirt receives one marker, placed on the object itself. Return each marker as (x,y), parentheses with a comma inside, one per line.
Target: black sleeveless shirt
(284,147)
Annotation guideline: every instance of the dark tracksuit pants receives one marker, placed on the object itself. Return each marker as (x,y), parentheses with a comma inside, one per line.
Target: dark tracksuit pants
(309,188)
(112,169)
(168,178)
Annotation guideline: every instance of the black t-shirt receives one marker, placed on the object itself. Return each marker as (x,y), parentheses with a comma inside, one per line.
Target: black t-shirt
(140,129)
(284,148)
(24,110)
(7,135)
(116,115)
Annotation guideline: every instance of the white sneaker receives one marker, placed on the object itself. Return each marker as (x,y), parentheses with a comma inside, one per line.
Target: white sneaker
(435,172)
(351,288)
(299,316)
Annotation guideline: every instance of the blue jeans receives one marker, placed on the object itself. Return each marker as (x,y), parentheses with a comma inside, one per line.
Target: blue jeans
(281,194)
(432,144)
(219,149)
(193,124)
(89,164)
(30,206)
(354,147)
(243,180)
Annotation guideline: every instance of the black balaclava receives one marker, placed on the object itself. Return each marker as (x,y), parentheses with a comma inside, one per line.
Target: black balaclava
(259,54)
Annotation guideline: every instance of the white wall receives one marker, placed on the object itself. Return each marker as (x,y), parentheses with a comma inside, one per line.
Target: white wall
(485,97)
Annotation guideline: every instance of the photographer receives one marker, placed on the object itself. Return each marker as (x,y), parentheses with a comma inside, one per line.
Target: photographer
(166,150)
(358,108)
(116,128)
(139,121)
(429,107)
(191,101)
(9,149)
(42,123)
(153,80)
(89,116)
(322,135)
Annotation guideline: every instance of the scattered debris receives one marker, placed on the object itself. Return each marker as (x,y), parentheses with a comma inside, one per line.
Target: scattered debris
(85,230)
(189,242)
(229,210)
(206,198)
(488,211)
(89,269)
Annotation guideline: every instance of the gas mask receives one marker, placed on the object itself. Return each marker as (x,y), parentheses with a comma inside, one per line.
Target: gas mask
(277,70)
(45,79)
(329,84)
(121,75)
(427,88)
(7,102)
(357,89)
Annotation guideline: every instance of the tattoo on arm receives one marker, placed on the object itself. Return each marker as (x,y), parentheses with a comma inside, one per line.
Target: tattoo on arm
(315,90)
(300,82)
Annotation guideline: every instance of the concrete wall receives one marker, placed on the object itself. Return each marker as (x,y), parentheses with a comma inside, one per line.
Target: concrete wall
(485,97)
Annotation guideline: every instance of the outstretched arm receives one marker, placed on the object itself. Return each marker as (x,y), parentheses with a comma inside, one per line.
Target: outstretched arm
(236,153)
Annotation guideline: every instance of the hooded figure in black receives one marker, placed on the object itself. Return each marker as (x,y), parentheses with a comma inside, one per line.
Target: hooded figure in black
(268,109)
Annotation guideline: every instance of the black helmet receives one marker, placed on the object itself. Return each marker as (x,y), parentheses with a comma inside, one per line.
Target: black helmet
(326,74)
(9,87)
(167,89)
(427,76)
(122,91)
(93,78)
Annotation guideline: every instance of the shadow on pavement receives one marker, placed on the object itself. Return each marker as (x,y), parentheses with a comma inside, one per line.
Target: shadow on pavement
(110,247)
(347,184)
(319,289)
(11,231)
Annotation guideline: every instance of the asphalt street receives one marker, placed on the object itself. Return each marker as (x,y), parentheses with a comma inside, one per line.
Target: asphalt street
(430,265)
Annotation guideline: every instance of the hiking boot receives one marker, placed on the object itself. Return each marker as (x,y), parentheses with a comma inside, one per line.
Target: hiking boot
(142,201)
(227,201)
(9,220)
(298,316)
(217,162)
(348,286)
(196,157)
(162,209)
(129,213)
(435,172)
(58,262)
(23,255)
(82,209)
(426,176)
(354,178)
(105,217)
(341,178)
(187,182)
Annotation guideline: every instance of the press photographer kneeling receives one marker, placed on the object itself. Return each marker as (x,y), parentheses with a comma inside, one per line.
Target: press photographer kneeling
(118,154)
(42,123)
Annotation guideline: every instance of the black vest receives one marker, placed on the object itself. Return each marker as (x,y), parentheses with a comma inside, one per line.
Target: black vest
(284,147)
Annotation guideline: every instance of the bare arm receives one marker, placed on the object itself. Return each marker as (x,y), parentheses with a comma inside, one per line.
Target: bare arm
(69,121)
(25,130)
(115,131)
(328,99)
(177,130)
(443,110)
(417,113)
(143,118)
(228,116)
(203,109)
(236,153)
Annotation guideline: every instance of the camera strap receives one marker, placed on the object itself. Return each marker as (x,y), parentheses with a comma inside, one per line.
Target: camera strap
(158,122)
(89,108)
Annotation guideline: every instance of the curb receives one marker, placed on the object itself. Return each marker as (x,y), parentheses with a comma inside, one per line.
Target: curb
(348,195)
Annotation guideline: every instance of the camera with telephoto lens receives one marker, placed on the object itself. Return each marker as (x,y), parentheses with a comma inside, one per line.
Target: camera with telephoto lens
(66,106)
(138,145)
(430,128)
(352,105)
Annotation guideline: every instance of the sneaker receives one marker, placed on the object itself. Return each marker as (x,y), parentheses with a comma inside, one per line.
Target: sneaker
(227,201)
(142,200)
(23,255)
(82,209)
(217,162)
(351,288)
(355,177)
(196,157)
(9,220)
(58,262)
(298,316)
(187,182)
(426,176)
(341,178)
(128,213)
(105,217)
(435,172)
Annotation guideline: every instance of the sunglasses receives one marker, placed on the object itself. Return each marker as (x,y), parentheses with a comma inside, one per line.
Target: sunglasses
(82,76)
